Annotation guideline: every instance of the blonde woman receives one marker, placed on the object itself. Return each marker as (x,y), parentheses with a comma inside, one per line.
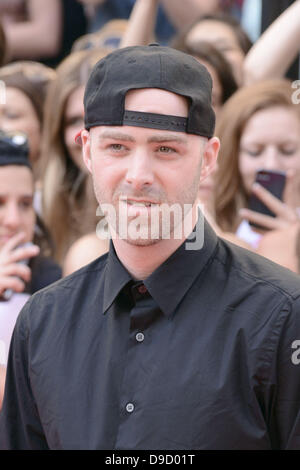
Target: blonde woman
(69,205)
(259,128)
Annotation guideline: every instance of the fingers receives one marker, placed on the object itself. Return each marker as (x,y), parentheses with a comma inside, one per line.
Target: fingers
(291,190)
(13,272)
(13,242)
(14,276)
(10,282)
(24,252)
(280,209)
(266,221)
(17,269)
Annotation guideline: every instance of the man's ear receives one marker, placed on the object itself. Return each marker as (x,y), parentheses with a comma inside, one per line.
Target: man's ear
(210,155)
(86,149)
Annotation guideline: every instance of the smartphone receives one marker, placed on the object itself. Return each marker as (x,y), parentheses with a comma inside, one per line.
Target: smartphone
(274,182)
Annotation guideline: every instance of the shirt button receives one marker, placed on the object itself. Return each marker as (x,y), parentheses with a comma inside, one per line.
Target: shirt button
(129,407)
(139,337)
(142,289)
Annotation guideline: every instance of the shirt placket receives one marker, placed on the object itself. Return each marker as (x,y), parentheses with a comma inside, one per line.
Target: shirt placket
(144,313)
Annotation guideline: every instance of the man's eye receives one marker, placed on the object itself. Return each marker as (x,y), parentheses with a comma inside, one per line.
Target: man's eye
(165,149)
(116,147)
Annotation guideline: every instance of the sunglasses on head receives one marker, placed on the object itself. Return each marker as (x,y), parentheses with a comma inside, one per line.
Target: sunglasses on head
(16,139)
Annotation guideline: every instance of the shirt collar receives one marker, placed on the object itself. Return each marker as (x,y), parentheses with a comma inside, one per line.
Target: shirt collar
(169,282)
(115,279)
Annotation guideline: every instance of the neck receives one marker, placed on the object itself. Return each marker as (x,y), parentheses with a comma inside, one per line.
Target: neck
(141,261)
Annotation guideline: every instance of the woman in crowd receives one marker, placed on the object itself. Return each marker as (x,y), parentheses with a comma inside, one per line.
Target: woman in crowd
(219,29)
(259,128)
(22,106)
(69,204)
(224,83)
(225,33)
(25,264)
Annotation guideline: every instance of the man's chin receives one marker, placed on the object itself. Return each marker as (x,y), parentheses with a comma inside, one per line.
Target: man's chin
(141,242)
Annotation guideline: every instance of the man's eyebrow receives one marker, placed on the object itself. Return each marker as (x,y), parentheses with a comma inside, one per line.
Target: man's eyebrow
(116,136)
(167,138)
(108,134)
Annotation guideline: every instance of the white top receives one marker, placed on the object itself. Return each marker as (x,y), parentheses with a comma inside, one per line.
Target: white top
(9,311)
(246,233)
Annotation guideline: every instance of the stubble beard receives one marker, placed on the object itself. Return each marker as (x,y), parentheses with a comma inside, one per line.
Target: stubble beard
(184,202)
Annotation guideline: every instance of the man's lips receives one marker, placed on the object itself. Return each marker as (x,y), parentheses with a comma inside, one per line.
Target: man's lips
(139,202)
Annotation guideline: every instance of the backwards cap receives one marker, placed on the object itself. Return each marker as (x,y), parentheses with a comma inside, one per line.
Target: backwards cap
(14,149)
(150,66)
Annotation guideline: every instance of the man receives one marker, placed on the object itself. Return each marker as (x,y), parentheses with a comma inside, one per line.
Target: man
(164,342)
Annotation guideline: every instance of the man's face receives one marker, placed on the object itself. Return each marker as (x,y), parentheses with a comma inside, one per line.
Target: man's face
(142,172)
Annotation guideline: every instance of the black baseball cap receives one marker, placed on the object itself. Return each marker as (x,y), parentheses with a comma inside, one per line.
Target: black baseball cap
(14,149)
(152,66)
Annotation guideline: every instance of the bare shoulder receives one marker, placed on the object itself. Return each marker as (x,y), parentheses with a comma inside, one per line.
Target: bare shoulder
(83,251)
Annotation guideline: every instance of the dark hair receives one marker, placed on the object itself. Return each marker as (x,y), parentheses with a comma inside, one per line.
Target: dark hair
(2,45)
(207,52)
(241,36)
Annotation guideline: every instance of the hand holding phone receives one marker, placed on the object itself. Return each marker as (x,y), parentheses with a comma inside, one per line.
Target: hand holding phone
(13,270)
(266,209)
(272,181)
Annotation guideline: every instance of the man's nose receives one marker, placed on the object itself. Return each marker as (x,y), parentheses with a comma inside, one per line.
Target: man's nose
(140,170)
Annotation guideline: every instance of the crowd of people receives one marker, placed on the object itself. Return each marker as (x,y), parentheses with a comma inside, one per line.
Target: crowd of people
(48,210)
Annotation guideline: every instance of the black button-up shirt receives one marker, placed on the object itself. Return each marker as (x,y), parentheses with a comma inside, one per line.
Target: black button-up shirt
(201,355)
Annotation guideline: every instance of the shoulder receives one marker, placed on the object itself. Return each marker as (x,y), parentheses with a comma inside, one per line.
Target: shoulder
(257,271)
(67,298)
(45,271)
(83,251)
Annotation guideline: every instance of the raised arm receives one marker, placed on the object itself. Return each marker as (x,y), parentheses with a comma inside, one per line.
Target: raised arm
(141,24)
(40,35)
(275,50)
(181,13)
